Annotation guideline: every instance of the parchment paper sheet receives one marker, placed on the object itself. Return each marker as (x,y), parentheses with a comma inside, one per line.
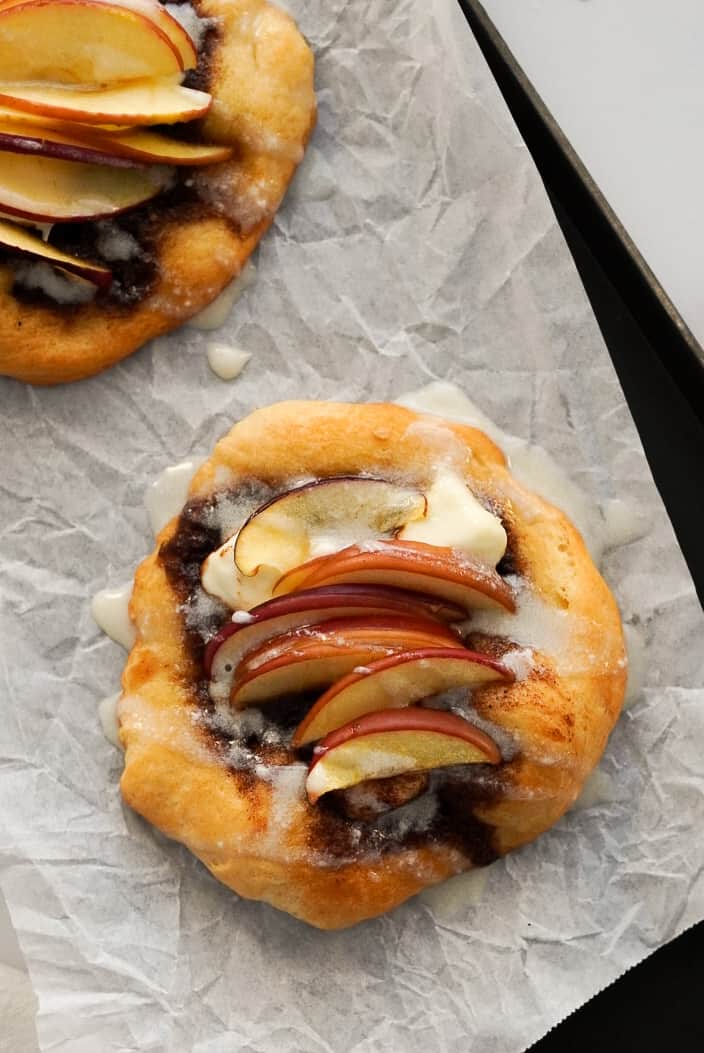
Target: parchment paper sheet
(417,243)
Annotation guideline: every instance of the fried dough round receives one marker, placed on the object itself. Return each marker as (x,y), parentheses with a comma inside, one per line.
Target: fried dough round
(255,829)
(260,74)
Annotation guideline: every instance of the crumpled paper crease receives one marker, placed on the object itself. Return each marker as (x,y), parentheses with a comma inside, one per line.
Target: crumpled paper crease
(415,244)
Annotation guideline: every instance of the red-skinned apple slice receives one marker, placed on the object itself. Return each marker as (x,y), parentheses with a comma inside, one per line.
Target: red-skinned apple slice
(130,150)
(148,147)
(393,742)
(280,533)
(407,565)
(152,10)
(48,190)
(236,639)
(152,101)
(83,42)
(317,656)
(49,142)
(395,682)
(16,239)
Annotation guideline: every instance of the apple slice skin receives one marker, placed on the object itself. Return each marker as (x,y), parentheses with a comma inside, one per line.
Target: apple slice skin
(21,241)
(156,101)
(61,147)
(300,661)
(405,564)
(394,683)
(395,742)
(314,605)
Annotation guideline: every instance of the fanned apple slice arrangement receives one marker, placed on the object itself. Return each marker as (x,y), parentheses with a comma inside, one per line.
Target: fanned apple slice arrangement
(368,624)
(79,81)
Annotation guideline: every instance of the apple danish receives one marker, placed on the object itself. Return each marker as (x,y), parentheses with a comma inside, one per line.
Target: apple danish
(137,178)
(367,658)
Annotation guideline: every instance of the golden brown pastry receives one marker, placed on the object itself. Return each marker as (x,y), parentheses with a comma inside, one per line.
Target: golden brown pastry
(196,237)
(375,530)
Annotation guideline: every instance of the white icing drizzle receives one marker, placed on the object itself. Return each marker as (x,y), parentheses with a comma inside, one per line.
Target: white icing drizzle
(194,25)
(58,286)
(217,312)
(449,900)
(110,611)
(167,495)
(107,711)
(616,524)
(227,362)
(521,662)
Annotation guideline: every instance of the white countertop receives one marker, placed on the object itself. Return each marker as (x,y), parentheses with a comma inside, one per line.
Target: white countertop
(623,78)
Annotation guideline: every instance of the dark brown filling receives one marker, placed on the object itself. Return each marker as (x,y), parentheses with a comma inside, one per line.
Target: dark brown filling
(438,811)
(134,279)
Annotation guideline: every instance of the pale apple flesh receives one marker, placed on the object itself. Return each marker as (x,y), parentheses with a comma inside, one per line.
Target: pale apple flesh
(394,682)
(82,42)
(282,532)
(18,240)
(236,639)
(150,101)
(395,742)
(129,150)
(48,190)
(30,122)
(154,11)
(408,565)
(317,656)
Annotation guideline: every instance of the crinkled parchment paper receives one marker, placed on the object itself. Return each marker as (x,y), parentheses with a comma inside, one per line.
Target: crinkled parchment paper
(416,243)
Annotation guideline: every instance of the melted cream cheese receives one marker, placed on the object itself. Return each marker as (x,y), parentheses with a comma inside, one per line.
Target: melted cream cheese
(227,362)
(455,519)
(110,611)
(217,312)
(167,495)
(221,578)
(616,524)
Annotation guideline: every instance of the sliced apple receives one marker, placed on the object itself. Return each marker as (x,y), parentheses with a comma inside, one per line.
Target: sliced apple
(16,239)
(121,151)
(227,649)
(19,117)
(50,142)
(82,42)
(284,532)
(147,147)
(407,565)
(394,682)
(155,101)
(393,742)
(154,11)
(44,189)
(317,656)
